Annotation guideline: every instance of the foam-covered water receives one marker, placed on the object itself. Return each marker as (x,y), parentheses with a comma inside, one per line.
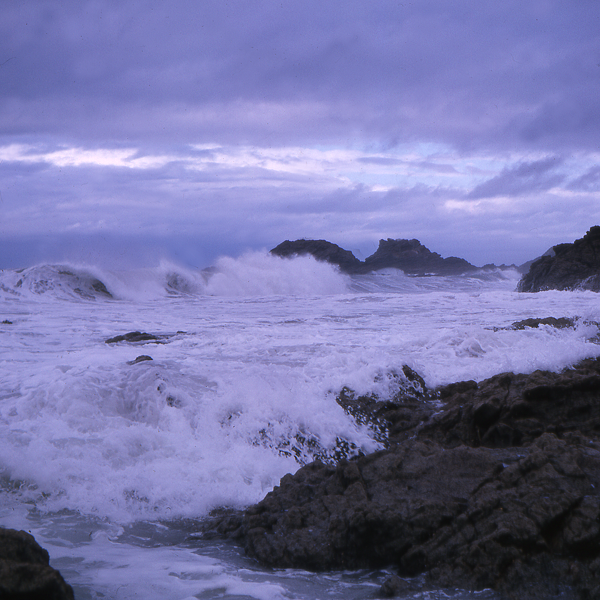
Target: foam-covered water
(109,461)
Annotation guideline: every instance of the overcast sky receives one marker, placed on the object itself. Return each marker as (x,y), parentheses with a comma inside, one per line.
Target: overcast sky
(135,130)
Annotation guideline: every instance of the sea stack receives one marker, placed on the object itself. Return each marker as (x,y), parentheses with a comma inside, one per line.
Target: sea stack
(413,258)
(573,266)
(409,256)
(321,250)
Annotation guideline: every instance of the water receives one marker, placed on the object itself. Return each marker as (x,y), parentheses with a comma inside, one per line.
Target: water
(112,463)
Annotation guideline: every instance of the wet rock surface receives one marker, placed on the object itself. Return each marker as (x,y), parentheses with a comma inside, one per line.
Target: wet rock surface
(25,573)
(134,337)
(490,485)
(139,359)
(568,267)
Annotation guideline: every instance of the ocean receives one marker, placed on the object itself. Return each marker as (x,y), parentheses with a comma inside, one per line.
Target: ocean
(111,460)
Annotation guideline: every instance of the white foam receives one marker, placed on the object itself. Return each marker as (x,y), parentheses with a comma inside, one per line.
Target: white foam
(247,387)
(261,274)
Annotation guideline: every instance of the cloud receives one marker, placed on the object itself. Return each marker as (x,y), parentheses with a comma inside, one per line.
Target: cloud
(588,182)
(493,75)
(347,120)
(522,179)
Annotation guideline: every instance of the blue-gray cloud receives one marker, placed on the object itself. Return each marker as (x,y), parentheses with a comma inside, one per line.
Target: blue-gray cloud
(588,182)
(252,122)
(465,73)
(523,179)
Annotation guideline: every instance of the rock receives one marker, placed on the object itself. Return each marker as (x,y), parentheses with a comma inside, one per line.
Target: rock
(414,259)
(494,485)
(321,250)
(25,573)
(98,286)
(514,409)
(469,517)
(394,586)
(396,417)
(572,266)
(133,337)
(560,323)
(409,256)
(139,359)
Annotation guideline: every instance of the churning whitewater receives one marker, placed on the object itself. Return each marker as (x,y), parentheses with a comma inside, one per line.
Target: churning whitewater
(110,450)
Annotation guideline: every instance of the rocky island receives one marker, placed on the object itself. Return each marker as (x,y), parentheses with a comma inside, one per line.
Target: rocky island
(409,256)
(563,267)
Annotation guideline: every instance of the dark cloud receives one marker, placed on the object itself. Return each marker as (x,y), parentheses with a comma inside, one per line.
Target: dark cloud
(255,122)
(470,74)
(588,182)
(522,179)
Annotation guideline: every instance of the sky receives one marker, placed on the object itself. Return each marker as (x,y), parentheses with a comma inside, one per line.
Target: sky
(135,131)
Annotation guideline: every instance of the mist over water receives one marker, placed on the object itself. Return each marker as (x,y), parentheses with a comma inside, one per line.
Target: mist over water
(102,456)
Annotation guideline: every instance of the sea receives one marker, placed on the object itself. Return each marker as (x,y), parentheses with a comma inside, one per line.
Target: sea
(113,453)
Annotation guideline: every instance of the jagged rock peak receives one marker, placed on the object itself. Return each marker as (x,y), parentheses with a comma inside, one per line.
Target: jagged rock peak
(414,259)
(409,256)
(568,267)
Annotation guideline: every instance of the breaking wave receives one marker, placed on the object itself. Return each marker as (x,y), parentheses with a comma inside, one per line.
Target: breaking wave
(252,274)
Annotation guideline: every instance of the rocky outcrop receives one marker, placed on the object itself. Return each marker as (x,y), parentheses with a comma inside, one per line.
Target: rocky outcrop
(512,519)
(515,409)
(409,256)
(491,485)
(134,337)
(568,267)
(413,258)
(25,573)
(321,250)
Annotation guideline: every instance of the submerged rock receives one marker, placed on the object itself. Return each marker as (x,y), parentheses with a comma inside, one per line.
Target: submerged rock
(139,359)
(494,485)
(25,572)
(568,267)
(133,337)
(560,323)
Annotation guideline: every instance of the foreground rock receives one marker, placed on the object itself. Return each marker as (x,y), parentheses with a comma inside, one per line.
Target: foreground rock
(25,573)
(568,267)
(496,488)
(513,410)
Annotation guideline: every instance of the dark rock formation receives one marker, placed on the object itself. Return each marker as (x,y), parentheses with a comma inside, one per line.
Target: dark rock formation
(409,256)
(534,323)
(515,409)
(321,250)
(134,337)
(573,266)
(139,359)
(25,573)
(414,259)
(494,485)
(394,419)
